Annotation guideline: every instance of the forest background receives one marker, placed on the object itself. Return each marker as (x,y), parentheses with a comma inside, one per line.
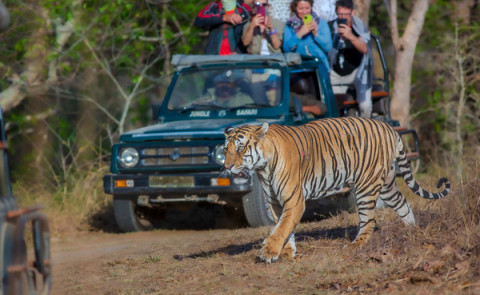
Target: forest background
(76,74)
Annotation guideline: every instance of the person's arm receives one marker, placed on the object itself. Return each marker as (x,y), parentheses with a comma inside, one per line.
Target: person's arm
(275,36)
(247,33)
(290,40)
(233,18)
(249,28)
(357,42)
(315,110)
(323,37)
(347,33)
(312,105)
(209,17)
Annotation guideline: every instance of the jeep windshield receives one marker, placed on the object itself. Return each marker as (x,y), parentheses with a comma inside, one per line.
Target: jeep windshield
(226,89)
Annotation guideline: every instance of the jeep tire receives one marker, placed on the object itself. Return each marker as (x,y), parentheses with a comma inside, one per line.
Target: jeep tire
(259,211)
(128,216)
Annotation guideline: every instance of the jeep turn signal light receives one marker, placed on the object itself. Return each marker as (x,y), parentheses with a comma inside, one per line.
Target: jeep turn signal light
(124,183)
(223,181)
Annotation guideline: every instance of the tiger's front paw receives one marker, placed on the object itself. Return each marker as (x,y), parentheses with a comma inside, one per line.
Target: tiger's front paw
(270,252)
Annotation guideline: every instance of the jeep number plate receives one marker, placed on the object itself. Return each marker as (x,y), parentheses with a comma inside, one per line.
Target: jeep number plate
(171,181)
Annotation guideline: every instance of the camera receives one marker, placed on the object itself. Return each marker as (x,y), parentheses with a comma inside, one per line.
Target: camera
(342,21)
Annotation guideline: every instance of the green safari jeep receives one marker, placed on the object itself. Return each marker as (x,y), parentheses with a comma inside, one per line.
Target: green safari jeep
(179,158)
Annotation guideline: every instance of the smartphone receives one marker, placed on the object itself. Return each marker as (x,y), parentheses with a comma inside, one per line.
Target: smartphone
(307,19)
(342,21)
(261,9)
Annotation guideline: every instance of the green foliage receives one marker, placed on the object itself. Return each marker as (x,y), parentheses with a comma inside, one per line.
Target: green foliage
(437,23)
(107,48)
(447,78)
(114,45)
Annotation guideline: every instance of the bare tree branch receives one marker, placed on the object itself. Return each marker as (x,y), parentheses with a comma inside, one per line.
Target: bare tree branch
(394,22)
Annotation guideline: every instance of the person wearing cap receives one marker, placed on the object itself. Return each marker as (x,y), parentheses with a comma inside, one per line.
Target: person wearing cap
(226,91)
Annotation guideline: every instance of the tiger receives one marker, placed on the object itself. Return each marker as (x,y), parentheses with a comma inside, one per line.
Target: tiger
(318,159)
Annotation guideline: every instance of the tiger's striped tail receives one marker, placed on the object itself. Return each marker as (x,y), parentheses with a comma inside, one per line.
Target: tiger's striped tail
(407,175)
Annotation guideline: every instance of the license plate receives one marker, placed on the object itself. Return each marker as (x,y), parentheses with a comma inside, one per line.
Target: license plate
(171,181)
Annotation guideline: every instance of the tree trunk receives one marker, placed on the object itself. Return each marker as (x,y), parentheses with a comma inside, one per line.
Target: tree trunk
(36,62)
(4,17)
(32,79)
(405,51)
(362,7)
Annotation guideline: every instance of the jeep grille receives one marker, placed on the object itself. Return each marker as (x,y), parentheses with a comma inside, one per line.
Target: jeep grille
(175,156)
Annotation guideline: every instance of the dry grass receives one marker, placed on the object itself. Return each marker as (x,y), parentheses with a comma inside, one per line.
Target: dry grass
(70,207)
(441,255)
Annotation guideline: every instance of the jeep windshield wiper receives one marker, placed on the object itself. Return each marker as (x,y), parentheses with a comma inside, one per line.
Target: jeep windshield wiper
(250,106)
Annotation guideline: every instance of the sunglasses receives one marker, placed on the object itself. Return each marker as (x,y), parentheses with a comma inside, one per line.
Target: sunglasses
(261,4)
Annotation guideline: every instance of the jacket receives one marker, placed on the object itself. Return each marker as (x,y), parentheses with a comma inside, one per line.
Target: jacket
(309,45)
(210,18)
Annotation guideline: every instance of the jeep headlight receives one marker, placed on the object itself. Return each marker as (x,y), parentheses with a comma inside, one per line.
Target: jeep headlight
(219,155)
(129,157)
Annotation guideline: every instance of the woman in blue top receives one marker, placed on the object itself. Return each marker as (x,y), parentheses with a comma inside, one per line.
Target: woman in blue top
(309,38)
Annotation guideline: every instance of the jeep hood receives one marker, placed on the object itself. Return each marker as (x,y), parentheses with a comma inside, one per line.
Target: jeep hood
(191,129)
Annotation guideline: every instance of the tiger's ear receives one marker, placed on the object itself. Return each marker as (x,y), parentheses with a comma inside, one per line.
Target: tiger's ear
(263,130)
(228,130)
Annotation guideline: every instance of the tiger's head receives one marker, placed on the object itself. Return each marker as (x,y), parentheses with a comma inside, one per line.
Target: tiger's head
(242,150)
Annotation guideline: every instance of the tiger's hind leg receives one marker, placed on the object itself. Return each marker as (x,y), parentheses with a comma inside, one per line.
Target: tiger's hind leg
(393,198)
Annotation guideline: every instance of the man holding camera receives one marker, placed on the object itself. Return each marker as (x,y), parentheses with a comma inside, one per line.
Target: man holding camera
(350,57)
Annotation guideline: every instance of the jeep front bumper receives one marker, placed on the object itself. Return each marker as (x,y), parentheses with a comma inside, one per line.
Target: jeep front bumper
(187,184)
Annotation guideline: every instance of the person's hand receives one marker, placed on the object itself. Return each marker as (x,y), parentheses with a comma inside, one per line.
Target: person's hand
(268,23)
(257,21)
(345,31)
(233,18)
(304,30)
(313,27)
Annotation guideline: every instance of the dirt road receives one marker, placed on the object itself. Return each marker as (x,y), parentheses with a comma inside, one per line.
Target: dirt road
(397,260)
(99,263)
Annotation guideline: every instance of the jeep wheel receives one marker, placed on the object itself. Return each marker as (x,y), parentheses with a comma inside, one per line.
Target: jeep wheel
(129,216)
(258,210)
